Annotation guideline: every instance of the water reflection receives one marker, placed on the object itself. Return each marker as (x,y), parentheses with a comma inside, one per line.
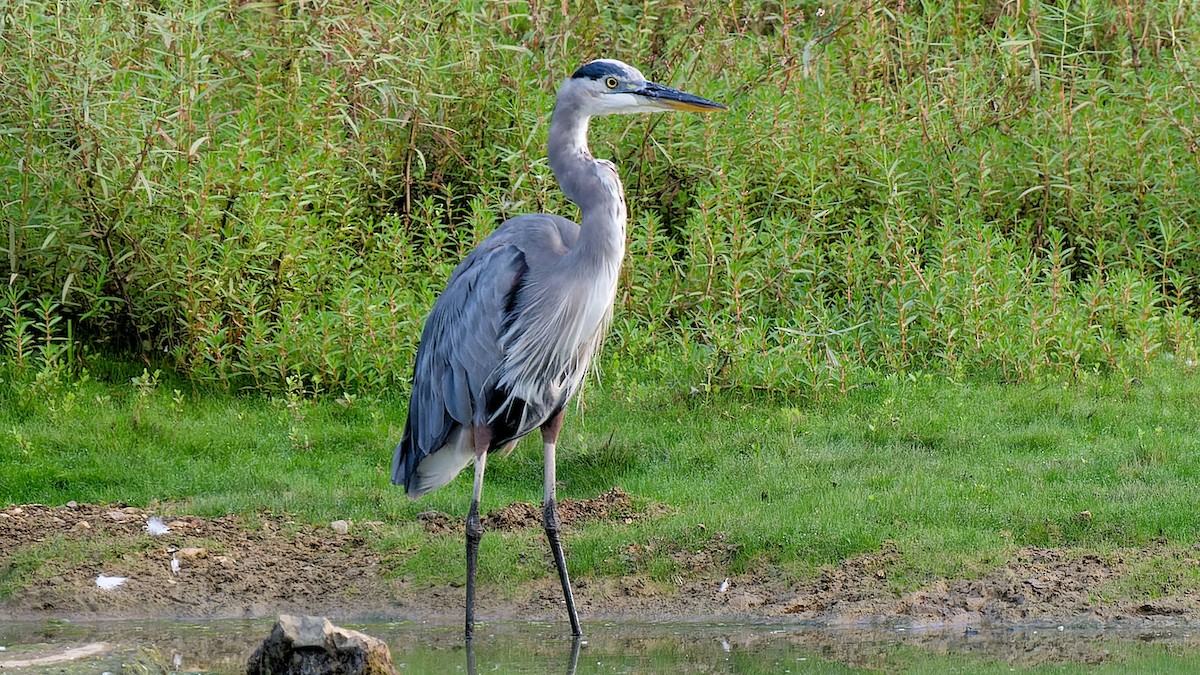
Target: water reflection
(572,663)
(622,647)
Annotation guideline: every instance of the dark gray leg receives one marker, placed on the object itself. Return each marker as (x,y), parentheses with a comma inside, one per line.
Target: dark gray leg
(471,670)
(483,438)
(573,664)
(550,516)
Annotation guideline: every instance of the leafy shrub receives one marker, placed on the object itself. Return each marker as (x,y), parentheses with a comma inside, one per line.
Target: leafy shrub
(265,191)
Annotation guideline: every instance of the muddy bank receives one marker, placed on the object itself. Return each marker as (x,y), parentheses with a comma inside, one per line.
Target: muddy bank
(233,567)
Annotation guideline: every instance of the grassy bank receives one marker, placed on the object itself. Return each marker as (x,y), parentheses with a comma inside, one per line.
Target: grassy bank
(932,278)
(956,474)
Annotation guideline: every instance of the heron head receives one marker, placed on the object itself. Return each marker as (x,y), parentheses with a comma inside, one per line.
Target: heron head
(608,87)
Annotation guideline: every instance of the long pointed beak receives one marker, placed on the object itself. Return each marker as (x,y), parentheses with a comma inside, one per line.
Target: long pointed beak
(667,98)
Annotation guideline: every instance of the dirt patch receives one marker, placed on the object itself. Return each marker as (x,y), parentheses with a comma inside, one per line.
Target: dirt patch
(615,504)
(202,567)
(260,566)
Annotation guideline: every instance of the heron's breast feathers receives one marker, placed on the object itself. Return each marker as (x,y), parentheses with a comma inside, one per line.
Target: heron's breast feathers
(547,351)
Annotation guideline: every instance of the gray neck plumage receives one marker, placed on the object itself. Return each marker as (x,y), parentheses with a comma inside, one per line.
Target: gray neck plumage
(591,183)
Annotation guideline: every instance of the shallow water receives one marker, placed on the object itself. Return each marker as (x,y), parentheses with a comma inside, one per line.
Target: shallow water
(224,646)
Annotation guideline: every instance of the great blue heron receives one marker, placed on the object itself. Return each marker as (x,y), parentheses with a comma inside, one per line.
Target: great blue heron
(510,339)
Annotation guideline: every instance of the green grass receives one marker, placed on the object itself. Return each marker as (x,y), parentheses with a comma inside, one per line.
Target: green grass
(957,475)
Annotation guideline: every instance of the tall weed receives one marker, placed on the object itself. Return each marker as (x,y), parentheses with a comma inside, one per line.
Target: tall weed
(273,193)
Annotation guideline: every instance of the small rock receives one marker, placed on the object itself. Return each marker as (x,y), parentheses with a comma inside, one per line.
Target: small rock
(745,601)
(81,526)
(177,524)
(72,504)
(340,526)
(191,553)
(1163,607)
(119,516)
(311,645)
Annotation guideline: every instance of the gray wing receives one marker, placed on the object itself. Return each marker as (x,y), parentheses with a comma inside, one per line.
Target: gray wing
(460,348)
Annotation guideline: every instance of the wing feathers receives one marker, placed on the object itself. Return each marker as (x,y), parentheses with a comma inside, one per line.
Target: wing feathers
(504,345)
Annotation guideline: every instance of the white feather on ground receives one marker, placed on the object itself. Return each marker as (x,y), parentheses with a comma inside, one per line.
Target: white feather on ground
(109,583)
(156,527)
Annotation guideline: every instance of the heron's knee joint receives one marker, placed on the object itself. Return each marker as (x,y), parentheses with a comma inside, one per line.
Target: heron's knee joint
(550,517)
(474,529)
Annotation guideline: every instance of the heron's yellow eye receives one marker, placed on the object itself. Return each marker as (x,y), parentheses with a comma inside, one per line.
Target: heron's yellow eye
(610,82)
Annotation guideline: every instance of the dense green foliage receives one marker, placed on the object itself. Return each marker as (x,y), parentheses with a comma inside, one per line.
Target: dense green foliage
(276,191)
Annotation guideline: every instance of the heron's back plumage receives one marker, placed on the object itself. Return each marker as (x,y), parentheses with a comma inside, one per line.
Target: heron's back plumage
(506,345)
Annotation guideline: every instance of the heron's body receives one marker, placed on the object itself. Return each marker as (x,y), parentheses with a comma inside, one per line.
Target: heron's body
(497,371)
(510,339)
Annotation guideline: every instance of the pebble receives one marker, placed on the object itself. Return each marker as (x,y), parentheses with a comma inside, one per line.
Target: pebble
(81,526)
(190,553)
(340,526)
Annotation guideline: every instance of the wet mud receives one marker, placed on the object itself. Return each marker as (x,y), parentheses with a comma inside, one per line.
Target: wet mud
(235,567)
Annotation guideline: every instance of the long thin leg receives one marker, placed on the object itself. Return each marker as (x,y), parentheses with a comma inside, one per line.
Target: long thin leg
(471,669)
(573,664)
(550,516)
(483,438)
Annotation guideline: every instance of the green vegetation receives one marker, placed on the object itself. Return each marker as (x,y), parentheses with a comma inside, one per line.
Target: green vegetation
(956,475)
(933,279)
(275,191)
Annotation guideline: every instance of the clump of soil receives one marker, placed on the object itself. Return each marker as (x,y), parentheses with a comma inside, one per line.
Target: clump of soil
(612,505)
(264,565)
(615,504)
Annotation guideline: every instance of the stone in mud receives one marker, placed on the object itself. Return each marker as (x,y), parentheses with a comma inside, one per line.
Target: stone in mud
(311,645)
(1164,607)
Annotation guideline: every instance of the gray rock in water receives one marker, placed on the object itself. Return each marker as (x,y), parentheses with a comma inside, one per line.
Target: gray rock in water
(311,645)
